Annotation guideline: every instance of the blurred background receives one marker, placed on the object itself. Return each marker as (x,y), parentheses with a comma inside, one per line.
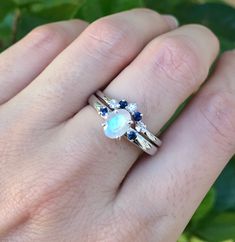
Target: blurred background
(214,221)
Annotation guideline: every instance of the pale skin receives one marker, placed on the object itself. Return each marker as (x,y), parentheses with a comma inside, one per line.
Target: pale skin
(61,179)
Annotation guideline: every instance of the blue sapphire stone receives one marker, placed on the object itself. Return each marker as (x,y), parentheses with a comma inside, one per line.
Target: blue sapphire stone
(123,103)
(131,135)
(103,111)
(137,116)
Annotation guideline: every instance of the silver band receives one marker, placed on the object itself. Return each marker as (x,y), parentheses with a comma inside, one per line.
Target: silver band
(144,131)
(140,141)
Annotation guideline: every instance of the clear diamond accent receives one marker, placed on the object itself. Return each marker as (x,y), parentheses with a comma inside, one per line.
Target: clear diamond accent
(113,104)
(132,107)
(140,126)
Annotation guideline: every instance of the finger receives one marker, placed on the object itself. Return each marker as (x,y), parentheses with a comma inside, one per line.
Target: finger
(196,149)
(22,62)
(167,71)
(170,68)
(103,49)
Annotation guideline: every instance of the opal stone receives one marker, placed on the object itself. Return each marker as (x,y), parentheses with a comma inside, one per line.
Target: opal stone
(117,123)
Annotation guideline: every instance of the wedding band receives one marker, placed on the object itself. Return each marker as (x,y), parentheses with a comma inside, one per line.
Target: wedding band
(121,120)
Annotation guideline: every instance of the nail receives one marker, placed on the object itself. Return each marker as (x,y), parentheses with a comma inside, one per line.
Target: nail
(171,20)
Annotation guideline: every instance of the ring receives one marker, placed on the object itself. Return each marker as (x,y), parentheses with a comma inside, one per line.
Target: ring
(123,119)
(140,126)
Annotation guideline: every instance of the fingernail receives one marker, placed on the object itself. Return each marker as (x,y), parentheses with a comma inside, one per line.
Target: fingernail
(171,20)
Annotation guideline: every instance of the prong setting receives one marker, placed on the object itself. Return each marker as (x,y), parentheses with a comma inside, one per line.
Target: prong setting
(104,125)
(121,119)
(103,111)
(117,123)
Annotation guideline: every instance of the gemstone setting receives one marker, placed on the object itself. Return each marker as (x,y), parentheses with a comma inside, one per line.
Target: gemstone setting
(137,116)
(123,104)
(132,107)
(117,123)
(131,135)
(114,104)
(103,111)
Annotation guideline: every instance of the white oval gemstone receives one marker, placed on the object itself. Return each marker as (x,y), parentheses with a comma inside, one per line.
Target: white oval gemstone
(117,123)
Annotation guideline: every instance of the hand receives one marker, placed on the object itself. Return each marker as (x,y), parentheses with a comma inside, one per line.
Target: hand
(61,178)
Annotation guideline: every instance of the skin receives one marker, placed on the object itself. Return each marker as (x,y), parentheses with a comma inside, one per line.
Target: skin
(61,178)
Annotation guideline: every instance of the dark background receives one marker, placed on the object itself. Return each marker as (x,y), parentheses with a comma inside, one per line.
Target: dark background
(214,221)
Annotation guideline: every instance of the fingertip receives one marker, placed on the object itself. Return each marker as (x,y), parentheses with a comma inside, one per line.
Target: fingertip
(171,20)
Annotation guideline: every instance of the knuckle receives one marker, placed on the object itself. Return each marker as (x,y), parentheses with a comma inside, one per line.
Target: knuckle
(177,61)
(109,37)
(45,36)
(218,109)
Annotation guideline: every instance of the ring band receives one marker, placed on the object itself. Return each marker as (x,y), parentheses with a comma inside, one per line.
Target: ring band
(119,121)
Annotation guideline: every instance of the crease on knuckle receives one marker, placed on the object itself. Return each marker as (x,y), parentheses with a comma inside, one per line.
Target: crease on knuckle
(108,38)
(217,108)
(177,61)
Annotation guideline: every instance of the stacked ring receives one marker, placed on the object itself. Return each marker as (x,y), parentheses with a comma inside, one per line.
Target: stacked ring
(123,119)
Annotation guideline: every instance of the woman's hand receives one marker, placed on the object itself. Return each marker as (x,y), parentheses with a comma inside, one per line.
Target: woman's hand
(61,179)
